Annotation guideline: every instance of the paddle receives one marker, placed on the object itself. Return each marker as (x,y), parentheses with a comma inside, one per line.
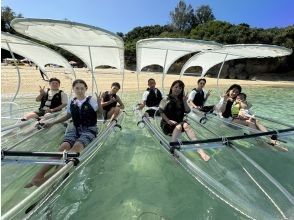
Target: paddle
(7,153)
(232,138)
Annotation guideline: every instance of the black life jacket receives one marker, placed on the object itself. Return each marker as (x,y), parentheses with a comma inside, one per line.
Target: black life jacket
(86,116)
(107,98)
(173,111)
(228,111)
(199,98)
(153,99)
(55,101)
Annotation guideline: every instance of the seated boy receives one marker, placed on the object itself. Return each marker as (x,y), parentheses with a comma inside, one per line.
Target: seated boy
(52,100)
(198,97)
(151,98)
(111,102)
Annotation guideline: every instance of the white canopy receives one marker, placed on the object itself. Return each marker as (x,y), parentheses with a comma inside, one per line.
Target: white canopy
(165,51)
(37,53)
(94,46)
(208,59)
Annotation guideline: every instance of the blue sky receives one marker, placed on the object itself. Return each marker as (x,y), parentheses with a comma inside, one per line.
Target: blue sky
(124,15)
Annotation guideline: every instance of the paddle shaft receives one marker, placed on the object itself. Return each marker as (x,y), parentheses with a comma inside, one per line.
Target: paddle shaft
(6,153)
(232,138)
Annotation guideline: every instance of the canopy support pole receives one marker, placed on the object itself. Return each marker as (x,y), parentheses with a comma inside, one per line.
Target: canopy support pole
(92,72)
(138,70)
(122,69)
(164,72)
(219,72)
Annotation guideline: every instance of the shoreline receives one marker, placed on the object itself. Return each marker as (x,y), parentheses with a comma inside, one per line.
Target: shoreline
(31,79)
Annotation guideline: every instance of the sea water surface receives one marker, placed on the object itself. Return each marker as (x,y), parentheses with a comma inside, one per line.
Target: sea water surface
(132,177)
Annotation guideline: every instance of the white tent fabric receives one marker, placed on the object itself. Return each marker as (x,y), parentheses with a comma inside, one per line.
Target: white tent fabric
(37,53)
(94,46)
(165,51)
(211,58)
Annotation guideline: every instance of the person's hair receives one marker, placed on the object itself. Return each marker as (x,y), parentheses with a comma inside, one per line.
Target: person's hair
(201,79)
(181,84)
(235,86)
(116,84)
(242,94)
(151,80)
(54,79)
(79,81)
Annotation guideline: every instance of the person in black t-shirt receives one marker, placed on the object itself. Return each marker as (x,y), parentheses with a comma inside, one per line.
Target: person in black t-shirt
(198,97)
(111,102)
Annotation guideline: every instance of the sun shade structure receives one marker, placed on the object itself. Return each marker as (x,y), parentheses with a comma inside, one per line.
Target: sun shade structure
(165,51)
(208,59)
(94,46)
(37,53)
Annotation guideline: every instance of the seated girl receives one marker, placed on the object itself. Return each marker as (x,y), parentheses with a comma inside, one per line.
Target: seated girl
(172,110)
(228,110)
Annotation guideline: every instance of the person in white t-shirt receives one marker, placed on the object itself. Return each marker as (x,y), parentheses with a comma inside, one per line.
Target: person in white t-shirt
(151,98)
(52,100)
(84,111)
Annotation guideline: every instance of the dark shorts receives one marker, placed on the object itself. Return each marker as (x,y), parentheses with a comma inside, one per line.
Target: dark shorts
(208,108)
(82,134)
(151,112)
(40,112)
(168,129)
(105,112)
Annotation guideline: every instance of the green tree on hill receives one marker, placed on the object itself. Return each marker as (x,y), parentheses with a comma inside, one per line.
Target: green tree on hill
(203,14)
(7,15)
(140,33)
(182,18)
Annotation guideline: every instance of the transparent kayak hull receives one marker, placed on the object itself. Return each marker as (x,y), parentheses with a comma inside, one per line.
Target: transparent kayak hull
(230,176)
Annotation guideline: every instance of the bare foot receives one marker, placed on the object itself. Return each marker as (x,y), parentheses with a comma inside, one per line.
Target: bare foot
(276,145)
(203,155)
(281,148)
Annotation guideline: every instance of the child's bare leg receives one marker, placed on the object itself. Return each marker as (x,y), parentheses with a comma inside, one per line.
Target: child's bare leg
(247,123)
(77,147)
(260,126)
(192,136)
(264,129)
(176,132)
(113,113)
(40,177)
(30,115)
(272,140)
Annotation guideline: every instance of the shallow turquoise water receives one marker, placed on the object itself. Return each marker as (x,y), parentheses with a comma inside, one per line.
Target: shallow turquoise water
(132,177)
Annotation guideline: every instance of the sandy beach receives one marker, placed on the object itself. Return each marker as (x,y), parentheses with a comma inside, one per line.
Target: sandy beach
(31,80)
